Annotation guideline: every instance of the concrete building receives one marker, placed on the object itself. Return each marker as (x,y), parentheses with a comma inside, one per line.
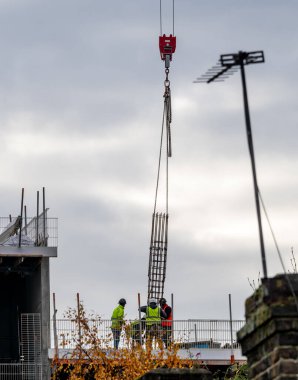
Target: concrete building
(26,247)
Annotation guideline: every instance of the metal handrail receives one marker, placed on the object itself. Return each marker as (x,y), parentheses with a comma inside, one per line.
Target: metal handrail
(42,231)
(191,333)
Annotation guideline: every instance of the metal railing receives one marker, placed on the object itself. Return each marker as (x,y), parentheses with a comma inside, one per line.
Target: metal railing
(29,367)
(41,231)
(20,371)
(31,338)
(185,334)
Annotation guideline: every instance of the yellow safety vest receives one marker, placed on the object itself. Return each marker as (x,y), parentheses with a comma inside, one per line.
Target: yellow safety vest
(152,316)
(117,317)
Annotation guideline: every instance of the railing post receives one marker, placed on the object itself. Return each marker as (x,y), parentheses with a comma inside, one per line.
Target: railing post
(140,319)
(173,325)
(55,327)
(37,218)
(79,322)
(44,216)
(196,335)
(231,331)
(21,223)
(25,211)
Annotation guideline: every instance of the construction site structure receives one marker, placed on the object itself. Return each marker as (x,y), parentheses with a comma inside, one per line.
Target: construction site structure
(26,246)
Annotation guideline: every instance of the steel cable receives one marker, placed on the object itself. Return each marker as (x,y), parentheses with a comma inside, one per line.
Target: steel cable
(167,118)
(159,159)
(278,251)
(173,17)
(160,17)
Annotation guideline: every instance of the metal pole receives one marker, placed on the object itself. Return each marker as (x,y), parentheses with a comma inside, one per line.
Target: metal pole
(79,319)
(251,151)
(25,211)
(19,335)
(196,336)
(21,222)
(140,319)
(37,214)
(172,306)
(231,331)
(55,326)
(44,216)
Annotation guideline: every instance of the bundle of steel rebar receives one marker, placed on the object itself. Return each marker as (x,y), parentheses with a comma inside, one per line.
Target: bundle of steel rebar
(158,255)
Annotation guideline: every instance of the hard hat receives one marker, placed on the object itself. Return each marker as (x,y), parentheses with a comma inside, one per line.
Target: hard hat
(152,300)
(162,301)
(122,302)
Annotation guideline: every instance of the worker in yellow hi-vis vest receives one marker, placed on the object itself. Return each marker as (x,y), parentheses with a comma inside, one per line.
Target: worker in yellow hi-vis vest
(118,321)
(154,314)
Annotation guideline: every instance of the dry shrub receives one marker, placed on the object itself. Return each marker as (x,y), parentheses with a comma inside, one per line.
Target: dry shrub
(93,359)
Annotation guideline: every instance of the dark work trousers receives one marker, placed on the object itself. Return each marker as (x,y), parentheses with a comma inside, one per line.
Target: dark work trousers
(116,336)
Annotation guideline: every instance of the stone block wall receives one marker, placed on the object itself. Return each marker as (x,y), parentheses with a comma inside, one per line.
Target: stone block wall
(269,338)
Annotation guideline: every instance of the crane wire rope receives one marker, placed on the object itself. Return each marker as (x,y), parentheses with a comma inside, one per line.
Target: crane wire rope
(167,103)
(166,119)
(159,158)
(167,171)
(278,251)
(160,16)
(173,17)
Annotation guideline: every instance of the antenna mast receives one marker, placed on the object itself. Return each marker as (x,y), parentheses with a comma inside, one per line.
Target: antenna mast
(227,65)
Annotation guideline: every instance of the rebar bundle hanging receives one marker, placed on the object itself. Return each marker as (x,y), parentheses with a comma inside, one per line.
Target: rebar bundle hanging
(159,230)
(158,255)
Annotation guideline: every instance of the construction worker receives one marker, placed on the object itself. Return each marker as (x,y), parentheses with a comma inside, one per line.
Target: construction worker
(166,323)
(153,322)
(117,321)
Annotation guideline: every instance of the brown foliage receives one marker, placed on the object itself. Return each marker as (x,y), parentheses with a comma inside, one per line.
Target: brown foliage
(94,359)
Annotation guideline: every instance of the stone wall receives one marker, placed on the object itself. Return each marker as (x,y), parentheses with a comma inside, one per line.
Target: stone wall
(269,338)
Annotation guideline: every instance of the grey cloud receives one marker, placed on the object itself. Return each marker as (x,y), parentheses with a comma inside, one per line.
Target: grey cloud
(82,97)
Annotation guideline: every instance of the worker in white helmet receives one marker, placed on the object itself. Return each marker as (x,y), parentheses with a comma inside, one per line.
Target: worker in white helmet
(154,314)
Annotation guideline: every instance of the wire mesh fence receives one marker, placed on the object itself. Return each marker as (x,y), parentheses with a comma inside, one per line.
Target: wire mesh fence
(36,231)
(29,365)
(20,371)
(184,334)
(31,338)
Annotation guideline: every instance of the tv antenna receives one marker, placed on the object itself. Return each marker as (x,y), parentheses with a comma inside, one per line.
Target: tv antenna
(227,65)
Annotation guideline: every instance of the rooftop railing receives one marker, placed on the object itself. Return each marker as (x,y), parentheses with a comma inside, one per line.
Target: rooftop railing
(36,231)
(185,334)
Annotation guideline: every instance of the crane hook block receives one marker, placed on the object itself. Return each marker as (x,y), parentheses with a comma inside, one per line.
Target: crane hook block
(167,46)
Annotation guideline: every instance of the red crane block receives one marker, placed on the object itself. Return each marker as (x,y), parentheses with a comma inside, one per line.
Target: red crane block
(167,46)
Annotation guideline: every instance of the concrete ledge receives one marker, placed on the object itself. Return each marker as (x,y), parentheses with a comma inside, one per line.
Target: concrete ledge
(28,251)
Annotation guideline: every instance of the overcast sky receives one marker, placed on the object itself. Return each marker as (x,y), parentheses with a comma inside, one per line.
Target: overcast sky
(81,89)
